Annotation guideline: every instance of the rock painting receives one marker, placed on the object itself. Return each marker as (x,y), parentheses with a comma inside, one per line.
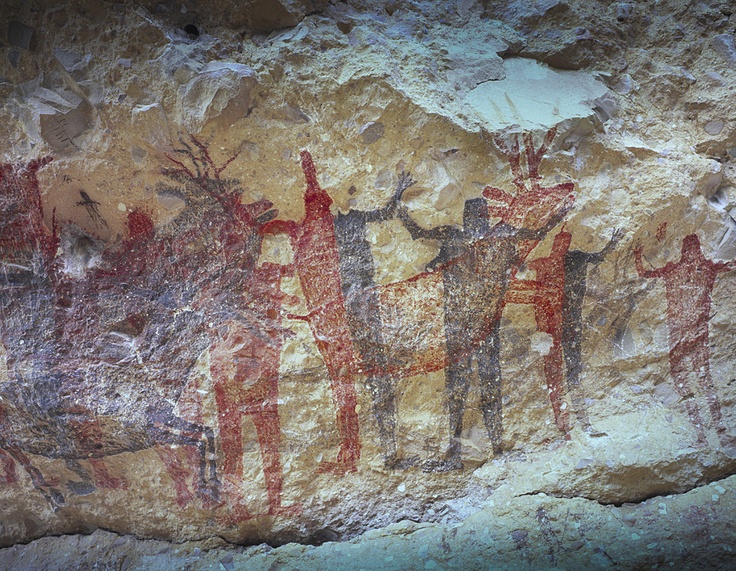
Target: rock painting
(475,263)
(92,208)
(246,341)
(245,371)
(317,262)
(83,323)
(557,295)
(75,344)
(688,286)
(357,271)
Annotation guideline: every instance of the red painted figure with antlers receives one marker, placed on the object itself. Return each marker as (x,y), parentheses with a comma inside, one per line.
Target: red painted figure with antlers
(245,354)
(689,283)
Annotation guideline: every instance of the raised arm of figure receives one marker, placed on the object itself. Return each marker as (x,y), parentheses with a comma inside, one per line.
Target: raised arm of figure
(653,273)
(389,211)
(598,257)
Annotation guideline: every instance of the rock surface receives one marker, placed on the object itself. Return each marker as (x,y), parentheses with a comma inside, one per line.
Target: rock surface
(304,270)
(688,531)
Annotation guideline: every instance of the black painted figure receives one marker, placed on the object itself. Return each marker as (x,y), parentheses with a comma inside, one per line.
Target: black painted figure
(576,276)
(476,262)
(357,275)
(92,207)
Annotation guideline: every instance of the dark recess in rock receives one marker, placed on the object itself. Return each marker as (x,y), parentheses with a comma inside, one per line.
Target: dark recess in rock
(192,31)
(21,35)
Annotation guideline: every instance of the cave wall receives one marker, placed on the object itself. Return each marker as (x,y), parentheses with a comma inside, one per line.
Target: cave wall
(290,271)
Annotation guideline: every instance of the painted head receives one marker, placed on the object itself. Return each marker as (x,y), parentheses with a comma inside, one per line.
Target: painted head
(534,209)
(690,244)
(475,217)
(315,198)
(561,243)
(691,247)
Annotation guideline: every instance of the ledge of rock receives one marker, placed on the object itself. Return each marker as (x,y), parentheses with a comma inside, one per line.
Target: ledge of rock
(691,530)
(404,277)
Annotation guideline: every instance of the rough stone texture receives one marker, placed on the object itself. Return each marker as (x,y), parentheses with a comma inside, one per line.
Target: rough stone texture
(688,531)
(299,271)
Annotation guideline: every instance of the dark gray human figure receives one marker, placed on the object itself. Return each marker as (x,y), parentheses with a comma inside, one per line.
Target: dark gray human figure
(476,261)
(357,275)
(576,276)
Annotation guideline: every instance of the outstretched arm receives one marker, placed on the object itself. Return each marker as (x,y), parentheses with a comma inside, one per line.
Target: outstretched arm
(653,273)
(725,266)
(598,257)
(389,211)
(416,231)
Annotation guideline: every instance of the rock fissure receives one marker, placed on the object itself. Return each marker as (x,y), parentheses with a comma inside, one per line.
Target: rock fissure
(631,500)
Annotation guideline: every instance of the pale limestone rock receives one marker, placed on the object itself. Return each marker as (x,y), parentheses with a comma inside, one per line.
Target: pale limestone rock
(533,96)
(220,91)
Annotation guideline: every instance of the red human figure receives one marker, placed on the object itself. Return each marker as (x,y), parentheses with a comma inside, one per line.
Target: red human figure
(547,294)
(689,283)
(245,372)
(22,230)
(317,261)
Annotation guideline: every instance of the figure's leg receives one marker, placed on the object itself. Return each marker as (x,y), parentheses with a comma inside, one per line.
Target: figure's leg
(268,430)
(457,382)
(364,321)
(572,352)
(489,374)
(208,465)
(365,324)
(230,420)
(8,468)
(231,439)
(332,335)
(679,370)
(701,361)
(199,446)
(346,401)
(553,377)
(383,393)
(383,397)
(549,320)
(178,473)
(206,490)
